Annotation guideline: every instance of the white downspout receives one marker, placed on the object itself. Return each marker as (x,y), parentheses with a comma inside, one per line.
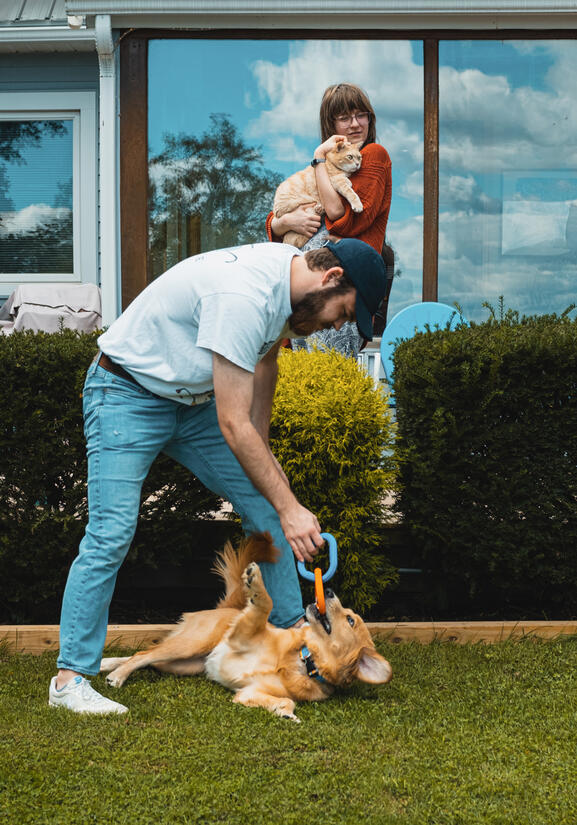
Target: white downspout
(108,212)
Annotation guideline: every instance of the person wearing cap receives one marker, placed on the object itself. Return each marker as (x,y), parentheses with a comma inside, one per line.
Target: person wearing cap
(189,369)
(345,113)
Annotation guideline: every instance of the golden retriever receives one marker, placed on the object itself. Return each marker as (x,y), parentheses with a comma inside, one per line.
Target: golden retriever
(265,666)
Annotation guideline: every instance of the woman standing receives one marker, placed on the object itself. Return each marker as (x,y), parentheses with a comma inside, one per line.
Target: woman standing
(345,113)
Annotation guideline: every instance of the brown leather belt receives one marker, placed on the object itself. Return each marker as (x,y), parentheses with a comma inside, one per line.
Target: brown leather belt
(109,365)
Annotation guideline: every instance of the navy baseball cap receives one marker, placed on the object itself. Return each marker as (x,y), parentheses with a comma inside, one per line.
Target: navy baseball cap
(365,268)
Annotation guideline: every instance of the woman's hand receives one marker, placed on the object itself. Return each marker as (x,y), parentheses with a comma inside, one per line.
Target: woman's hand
(303,220)
(326,147)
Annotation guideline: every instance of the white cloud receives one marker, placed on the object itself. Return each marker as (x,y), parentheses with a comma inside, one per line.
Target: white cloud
(487,125)
(31,217)
(286,148)
(412,187)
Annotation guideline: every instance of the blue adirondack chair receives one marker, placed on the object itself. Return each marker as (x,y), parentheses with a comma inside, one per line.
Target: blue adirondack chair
(412,319)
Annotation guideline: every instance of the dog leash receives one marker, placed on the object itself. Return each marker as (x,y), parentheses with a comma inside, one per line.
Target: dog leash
(317,576)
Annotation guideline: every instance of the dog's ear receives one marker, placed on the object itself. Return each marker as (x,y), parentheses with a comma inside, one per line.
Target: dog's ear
(373,668)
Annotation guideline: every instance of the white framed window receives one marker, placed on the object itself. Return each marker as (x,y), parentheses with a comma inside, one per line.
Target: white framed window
(48,188)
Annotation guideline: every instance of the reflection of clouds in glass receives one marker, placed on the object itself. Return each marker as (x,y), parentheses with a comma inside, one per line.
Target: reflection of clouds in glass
(412,187)
(285,147)
(463,192)
(507,180)
(406,238)
(472,270)
(27,220)
(488,125)
(385,70)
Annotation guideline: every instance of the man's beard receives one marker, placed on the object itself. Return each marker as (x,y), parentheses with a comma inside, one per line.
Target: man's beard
(304,317)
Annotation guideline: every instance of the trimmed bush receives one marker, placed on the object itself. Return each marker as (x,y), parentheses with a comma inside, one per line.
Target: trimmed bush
(43,507)
(487,440)
(331,431)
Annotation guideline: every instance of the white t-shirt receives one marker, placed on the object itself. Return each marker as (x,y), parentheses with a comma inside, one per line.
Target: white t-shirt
(234,302)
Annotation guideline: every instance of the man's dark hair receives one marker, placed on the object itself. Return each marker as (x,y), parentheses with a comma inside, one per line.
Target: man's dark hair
(323,259)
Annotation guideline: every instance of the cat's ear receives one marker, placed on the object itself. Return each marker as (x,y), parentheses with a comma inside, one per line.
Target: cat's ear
(358,146)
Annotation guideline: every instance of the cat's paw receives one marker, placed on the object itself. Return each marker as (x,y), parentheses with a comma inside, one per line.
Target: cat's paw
(357,207)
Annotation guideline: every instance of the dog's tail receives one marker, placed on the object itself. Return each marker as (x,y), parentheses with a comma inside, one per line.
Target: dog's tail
(230,564)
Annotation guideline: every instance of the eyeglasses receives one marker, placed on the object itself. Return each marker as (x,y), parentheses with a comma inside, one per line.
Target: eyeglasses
(360,117)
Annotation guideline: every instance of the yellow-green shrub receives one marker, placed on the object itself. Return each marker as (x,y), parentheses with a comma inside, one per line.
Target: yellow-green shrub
(332,431)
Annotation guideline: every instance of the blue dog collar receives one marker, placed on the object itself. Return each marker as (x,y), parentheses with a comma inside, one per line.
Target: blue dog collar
(312,669)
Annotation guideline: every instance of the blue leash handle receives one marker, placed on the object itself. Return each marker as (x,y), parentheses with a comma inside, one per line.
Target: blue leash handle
(332,561)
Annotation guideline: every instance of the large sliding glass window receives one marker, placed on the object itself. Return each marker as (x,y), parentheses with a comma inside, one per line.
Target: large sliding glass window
(229,119)
(508,175)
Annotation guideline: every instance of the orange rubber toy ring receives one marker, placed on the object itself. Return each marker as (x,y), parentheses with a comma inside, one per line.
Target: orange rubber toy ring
(319,591)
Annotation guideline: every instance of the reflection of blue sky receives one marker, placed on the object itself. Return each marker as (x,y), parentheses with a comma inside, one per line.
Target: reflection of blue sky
(45,167)
(189,80)
(508,174)
(505,107)
(272,92)
(513,59)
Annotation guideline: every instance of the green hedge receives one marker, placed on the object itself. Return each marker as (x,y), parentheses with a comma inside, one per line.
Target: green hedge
(331,443)
(487,440)
(43,507)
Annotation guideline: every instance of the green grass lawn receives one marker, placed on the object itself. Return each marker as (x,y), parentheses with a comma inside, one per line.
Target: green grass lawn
(463,734)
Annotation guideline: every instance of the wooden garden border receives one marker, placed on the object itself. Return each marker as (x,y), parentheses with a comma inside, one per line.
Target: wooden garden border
(36,639)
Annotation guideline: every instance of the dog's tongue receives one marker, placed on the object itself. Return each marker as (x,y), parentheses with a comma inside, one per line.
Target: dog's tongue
(319,591)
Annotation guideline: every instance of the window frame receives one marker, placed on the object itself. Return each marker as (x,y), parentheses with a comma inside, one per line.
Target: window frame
(134,127)
(80,108)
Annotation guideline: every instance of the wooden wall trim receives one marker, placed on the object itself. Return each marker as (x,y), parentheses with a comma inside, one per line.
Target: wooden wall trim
(431,170)
(37,639)
(133,166)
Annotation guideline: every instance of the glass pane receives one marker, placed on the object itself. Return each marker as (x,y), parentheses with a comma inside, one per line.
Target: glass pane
(36,196)
(508,175)
(229,119)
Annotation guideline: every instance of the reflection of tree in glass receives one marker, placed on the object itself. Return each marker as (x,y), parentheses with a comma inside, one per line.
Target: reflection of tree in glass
(16,135)
(207,192)
(45,249)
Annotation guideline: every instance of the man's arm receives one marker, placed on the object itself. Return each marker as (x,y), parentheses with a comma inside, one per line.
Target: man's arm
(243,404)
(265,378)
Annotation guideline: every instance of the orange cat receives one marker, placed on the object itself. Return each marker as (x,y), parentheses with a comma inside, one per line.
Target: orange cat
(301,187)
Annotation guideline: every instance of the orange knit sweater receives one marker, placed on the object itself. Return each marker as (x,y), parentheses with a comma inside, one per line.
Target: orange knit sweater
(372,183)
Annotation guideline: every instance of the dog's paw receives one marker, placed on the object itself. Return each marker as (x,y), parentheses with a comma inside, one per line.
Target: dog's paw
(292,717)
(253,583)
(115,680)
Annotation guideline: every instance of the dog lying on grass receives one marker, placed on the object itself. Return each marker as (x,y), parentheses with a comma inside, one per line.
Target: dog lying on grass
(265,666)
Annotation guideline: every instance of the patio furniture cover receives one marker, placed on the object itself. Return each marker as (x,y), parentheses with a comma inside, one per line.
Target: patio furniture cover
(47,307)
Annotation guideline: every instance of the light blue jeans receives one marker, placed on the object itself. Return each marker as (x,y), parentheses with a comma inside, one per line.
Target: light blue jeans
(126,428)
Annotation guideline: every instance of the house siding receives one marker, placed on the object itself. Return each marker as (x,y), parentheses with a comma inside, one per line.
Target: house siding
(52,71)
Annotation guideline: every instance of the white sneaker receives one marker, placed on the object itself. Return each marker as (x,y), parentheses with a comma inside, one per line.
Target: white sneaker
(79,695)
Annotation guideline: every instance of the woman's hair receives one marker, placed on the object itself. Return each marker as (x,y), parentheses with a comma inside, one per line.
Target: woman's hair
(341,100)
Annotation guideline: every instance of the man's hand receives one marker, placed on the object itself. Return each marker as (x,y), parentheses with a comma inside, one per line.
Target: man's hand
(302,531)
